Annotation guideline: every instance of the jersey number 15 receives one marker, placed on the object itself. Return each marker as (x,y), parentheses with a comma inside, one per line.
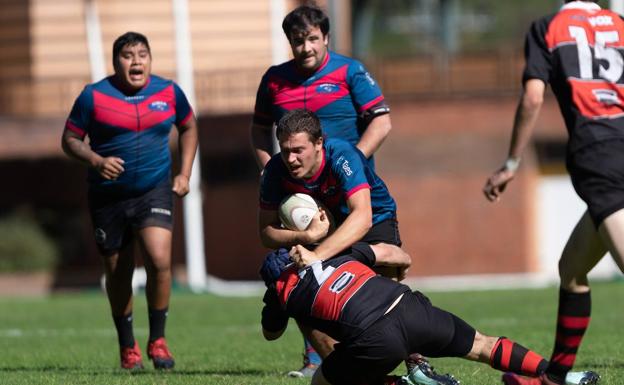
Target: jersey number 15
(615,63)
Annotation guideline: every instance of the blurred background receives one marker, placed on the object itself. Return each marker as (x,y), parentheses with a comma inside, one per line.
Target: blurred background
(450,70)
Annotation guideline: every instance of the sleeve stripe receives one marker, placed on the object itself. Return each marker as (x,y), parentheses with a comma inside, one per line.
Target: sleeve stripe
(357,188)
(371,103)
(186,119)
(73,128)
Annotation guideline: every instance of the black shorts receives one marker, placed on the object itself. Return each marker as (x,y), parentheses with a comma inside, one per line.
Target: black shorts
(414,325)
(597,173)
(383,232)
(114,219)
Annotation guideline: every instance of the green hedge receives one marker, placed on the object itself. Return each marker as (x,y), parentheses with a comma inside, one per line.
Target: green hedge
(24,246)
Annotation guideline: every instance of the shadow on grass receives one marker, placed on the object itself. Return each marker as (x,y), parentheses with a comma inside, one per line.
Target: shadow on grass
(139,372)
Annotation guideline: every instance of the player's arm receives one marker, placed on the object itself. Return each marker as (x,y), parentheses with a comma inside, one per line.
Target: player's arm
(187,145)
(274,319)
(524,122)
(354,227)
(390,255)
(262,143)
(74,146)
(274,236)
(375,134)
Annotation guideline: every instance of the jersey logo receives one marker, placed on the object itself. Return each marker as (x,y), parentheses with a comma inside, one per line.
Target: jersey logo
(341,282)
(158,105)
(335,293)
(608,97)
(327,88)
(345,165)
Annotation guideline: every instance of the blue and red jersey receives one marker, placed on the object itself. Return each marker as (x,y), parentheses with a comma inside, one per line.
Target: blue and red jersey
(134,128)
(341,296)
(340,93)
(579,52)
(344,171)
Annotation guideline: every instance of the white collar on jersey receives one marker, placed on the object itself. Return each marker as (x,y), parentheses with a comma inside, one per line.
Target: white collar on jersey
(586,5)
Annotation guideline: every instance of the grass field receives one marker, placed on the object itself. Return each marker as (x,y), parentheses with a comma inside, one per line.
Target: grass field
(69,339)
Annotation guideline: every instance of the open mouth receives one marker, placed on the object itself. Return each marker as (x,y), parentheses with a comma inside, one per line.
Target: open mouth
(136,73)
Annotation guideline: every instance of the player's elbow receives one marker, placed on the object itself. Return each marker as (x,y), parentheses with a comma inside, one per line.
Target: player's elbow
(533,95)
(532,101)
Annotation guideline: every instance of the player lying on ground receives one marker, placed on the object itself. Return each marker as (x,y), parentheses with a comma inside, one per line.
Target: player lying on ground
(379,322)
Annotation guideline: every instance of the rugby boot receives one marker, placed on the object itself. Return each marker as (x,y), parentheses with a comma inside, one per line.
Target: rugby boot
(131,357)
(159,353)
(420,372)
(573,378)
(307,370)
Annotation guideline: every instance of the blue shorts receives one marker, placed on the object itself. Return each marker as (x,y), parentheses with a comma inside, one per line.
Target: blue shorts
(115,219)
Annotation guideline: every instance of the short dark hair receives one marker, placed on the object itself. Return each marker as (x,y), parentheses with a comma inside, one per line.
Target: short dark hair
(305,16)
(130,38)
(300,120)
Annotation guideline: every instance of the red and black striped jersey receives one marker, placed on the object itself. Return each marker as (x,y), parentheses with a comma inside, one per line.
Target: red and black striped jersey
(340,296)
(578,51)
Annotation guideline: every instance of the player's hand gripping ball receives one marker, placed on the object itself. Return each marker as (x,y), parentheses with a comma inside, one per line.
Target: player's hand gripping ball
(296,211)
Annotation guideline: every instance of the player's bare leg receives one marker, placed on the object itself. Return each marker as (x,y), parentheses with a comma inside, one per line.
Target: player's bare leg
(391,261)
(612,233)
(156,248)
(581,253)
(118,269)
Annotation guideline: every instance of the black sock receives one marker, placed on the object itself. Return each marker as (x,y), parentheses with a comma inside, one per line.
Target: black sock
(125,336)
(157,319)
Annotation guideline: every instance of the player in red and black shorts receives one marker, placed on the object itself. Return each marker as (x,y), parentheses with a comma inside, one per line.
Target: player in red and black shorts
(379,322)
(578,51)
(128,117)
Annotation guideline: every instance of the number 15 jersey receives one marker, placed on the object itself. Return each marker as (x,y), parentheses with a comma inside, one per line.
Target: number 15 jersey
(578,51)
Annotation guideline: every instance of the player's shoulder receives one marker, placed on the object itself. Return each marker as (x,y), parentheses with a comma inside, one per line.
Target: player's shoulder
(159,83)
(280,69)
(337,149)
(338,58)
(338,144)
(275,165)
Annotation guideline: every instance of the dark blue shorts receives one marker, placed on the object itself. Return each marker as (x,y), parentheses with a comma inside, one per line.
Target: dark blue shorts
(383,232)
(115,219)
(597,173)
(413,326)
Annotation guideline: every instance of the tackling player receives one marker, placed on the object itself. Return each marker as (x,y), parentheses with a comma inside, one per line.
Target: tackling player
(379,322)
(128,117)
(578,51)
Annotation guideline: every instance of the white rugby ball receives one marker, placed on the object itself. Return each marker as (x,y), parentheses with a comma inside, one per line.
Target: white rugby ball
(296,211)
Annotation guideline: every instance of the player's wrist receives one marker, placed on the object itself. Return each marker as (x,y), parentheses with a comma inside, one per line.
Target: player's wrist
(512,164)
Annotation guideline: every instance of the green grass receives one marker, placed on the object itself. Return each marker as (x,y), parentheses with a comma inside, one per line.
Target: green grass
(69,339)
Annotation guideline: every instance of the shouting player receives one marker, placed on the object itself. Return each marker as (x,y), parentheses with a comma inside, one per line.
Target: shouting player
(128,117)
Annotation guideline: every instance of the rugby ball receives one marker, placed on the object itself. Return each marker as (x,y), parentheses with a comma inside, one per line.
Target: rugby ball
(296,211)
